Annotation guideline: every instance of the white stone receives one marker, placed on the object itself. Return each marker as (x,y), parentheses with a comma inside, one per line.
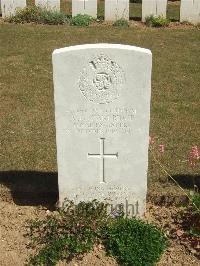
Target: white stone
(53,5)
(116,9)
(102,111)
(84,7)
(154,7)
(9,7)
(190,11)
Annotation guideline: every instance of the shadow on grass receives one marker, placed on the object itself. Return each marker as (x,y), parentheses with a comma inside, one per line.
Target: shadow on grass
(31,188)
(188,181)
(136,18)
(174,20)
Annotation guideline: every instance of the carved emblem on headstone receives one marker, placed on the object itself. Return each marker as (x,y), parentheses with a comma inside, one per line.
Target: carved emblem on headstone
(102,80)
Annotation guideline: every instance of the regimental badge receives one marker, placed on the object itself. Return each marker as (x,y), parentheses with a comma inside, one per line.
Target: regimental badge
(102,80)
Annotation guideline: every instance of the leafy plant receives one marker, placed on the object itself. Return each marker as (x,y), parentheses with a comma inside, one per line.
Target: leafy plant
(74,229)
(38,15)
(196,201)
(81,20)
(71,231)
(134,242)
(121,23)
(156,21)
(195,216)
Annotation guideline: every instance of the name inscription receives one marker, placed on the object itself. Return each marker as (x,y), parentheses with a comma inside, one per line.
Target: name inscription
(101,121)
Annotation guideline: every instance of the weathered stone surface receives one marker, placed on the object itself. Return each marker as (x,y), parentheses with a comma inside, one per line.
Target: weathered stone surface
(84,7)
(154,7)
(116,9)
(9,7)
(102,111)
(190,11)
(49,4)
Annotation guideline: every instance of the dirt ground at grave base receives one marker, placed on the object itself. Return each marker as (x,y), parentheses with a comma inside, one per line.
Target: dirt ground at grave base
(13,243)
(131,24)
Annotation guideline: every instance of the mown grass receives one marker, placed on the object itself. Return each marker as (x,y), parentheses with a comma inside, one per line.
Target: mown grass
(27,110)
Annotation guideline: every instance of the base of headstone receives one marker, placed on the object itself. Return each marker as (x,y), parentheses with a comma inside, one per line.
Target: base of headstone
(190,11)
(154,7)
(84,7)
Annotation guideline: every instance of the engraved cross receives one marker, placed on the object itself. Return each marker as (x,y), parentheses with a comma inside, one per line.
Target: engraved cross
(102,156)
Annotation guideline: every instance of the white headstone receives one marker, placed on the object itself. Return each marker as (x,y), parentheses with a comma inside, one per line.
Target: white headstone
(154,7)
(84,7)
(49,4)
(9,7)
(190,11)
(102,111)
(116,9)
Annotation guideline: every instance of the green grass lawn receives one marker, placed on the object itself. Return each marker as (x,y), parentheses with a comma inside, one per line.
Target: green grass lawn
(27,109)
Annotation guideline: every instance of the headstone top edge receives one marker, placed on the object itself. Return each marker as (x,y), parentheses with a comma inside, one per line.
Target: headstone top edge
(101,46)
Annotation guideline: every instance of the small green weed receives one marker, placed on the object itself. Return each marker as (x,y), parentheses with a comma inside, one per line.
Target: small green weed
(196,201)
(195,216)
(191,219)
(75,229)
(156,21)
(81,20)
(38,15)
(121,23)
(134,242)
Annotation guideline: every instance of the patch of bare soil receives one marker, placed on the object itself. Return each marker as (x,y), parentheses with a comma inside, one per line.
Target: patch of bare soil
(13,243)
(13,250)
(170,221)
(141,25)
